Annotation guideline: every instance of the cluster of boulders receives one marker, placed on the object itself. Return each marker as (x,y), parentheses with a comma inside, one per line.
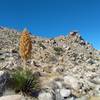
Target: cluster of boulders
(68,66)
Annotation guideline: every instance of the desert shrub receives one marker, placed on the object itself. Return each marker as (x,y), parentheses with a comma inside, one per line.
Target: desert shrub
(41,45)
(58,50)
(2,59)
(26,82)
(61,39)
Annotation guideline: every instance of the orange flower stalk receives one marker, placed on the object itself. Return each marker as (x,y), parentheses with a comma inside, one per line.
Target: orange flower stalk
(25,45)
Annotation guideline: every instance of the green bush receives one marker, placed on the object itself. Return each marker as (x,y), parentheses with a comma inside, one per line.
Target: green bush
(41,45)
(23,81)
(58,50)
(2,59)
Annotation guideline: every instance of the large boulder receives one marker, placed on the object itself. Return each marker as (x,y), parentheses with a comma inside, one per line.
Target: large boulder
(72,82)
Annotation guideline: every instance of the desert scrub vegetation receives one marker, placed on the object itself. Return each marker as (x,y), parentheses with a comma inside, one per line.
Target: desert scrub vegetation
(58,50)
(25,82)
(61,39)
(2,59)
(41,45)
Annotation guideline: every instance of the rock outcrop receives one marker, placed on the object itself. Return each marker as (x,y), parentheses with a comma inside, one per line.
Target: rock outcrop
(68,66)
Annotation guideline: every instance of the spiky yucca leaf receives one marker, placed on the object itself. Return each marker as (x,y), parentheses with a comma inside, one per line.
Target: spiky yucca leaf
(25,82)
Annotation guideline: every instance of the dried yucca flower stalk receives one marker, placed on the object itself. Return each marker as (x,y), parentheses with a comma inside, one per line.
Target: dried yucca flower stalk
(25,46)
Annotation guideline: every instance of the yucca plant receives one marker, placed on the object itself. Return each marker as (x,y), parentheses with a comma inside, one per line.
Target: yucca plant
(23,81)
(25,46)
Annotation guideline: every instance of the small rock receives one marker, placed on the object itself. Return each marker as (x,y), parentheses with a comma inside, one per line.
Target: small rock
(96,80)
(71,98)
(9,92)
(57,95)
(59,69)
(73,33)
(59,84)
(90,61)
(45,96)
(97,90)
(65,93)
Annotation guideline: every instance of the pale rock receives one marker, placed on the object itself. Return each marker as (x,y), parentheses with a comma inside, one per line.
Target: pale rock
(94,98)
(12,97)
(45,96)
(1,73)
(9,92)
(72,82)
(57,95)
(96,80)
(65,93)
(83,98)
(59,84)
(70,98)
(97,90)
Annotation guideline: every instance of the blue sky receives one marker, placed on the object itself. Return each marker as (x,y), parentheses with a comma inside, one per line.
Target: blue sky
(50,18)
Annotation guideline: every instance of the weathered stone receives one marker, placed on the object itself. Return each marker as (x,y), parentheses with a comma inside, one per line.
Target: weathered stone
(97,90)
(73,33)
(65,93)
(72,82)
(96,80)
(12,97)
(57,95)
(45,96)
(59,84)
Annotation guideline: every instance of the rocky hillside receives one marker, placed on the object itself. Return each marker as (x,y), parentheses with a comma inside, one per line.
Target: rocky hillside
(68,66)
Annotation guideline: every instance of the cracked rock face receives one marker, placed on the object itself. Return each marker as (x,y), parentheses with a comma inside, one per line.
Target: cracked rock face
(64,62)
